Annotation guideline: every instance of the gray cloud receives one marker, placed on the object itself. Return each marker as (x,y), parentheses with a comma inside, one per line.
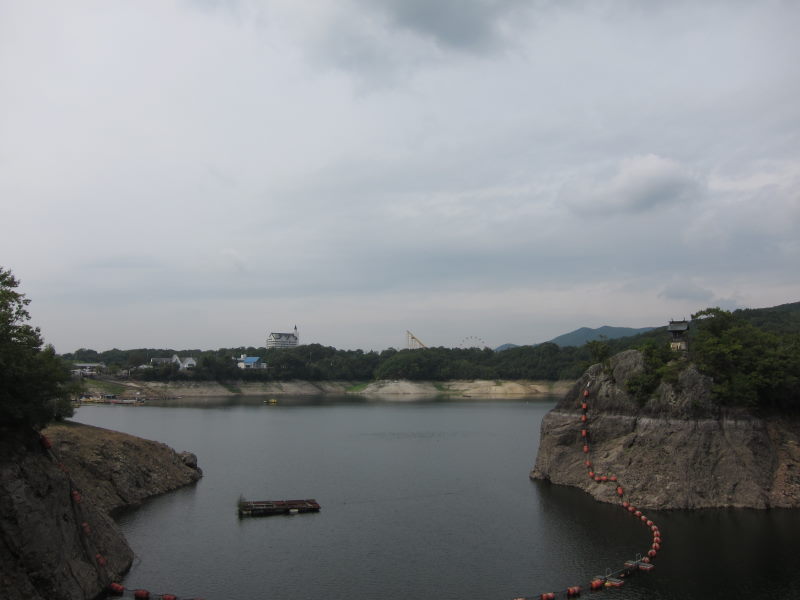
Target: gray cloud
(193,173)
(641,183)
(467,26)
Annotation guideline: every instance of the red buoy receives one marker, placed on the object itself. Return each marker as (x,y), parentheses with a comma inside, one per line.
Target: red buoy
(76,496)
(169,597)
(613,478)
(584,432)
(604,477)
(548,596)
(101,560)
(631,508)
(586,448)
(625,503)
(575,590)
(620,491)
(116,589)
(86,529)
(646,559)
(656,546)
(638,513)
(657,540)
(585,393)
(584,418)
(585,405)
(588,463)
(597,478)
(651,553)
(654,529)
(596,584)
(643,518)
(141,594)
(591,474)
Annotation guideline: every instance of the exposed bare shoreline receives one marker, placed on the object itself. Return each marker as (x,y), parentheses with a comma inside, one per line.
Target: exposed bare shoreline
(389,390)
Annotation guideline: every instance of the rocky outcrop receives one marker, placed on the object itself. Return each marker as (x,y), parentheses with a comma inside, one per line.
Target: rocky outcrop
(117,470)
(677,450)
(57,539)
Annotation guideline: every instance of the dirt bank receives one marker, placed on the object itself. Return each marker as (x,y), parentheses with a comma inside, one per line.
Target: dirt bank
(389,390)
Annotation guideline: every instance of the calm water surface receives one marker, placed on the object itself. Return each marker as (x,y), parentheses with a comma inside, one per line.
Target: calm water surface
(421,500)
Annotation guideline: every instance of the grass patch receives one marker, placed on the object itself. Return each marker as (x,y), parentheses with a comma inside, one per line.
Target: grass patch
(441,386)
(231,387)
(104,387)
(358,387)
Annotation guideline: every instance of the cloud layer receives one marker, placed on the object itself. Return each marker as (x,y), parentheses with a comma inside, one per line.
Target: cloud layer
(197,173)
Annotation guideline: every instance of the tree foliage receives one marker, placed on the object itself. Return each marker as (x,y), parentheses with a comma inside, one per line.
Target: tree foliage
(750,366)
(34,382)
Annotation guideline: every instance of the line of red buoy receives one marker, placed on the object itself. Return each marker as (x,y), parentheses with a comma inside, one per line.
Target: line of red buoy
(641,564)
(656,544)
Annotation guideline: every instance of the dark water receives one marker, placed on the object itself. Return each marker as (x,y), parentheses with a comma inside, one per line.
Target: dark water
(419,500)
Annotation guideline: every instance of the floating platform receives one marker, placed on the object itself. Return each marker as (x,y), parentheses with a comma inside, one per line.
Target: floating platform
(265,508)
(640,565)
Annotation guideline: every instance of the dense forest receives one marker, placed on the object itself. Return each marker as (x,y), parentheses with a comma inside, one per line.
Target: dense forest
(315,362)
(752,354)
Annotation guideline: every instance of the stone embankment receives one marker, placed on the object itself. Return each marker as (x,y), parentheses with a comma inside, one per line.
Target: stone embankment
(677,450)
(57,538)
(387,390)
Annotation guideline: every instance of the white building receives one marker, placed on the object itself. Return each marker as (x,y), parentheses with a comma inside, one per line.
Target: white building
(283,340)
(182,363)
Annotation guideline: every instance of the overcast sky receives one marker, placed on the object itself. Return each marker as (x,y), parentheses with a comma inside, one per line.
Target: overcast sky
(197,173)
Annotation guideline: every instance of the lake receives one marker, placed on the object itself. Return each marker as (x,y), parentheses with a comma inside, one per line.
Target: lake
(421,500)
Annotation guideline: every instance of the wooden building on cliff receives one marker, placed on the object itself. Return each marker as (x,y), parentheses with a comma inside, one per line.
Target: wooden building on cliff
(679,332)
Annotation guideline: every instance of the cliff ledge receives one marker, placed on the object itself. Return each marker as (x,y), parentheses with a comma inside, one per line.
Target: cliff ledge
(56,545)
(677,450)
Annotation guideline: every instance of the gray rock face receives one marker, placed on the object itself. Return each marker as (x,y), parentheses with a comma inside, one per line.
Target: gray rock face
(678,450)
(54,546)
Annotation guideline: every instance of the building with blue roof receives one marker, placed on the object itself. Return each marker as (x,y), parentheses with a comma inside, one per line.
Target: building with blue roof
(251,362)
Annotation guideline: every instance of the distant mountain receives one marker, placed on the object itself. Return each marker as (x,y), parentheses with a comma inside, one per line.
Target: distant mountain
(585,334)
(506,347)
(778,319)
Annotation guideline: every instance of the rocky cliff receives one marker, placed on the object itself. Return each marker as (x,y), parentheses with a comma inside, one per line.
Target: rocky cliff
(677,450)
(57,539)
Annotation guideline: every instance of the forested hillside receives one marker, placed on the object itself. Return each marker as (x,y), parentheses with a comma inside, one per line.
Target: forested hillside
(753,356)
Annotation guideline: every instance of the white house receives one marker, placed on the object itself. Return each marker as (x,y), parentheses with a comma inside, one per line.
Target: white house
(283,340)
(183,363)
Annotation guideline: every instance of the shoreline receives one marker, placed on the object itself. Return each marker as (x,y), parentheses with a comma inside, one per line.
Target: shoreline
(386,389)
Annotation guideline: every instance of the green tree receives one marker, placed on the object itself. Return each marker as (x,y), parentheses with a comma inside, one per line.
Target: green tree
(749,366)
(600,352)
(34,382)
